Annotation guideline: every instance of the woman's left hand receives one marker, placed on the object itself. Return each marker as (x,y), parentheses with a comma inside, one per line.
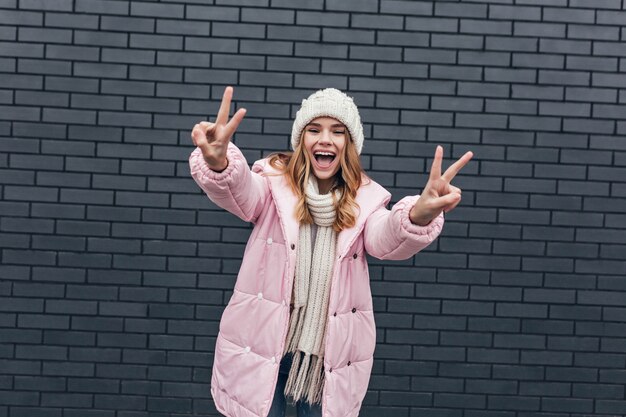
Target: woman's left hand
(438,194)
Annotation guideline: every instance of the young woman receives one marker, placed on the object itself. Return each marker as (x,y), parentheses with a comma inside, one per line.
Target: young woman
(300,322)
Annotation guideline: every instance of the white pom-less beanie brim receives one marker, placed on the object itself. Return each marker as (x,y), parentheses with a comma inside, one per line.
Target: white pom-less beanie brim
(332,103)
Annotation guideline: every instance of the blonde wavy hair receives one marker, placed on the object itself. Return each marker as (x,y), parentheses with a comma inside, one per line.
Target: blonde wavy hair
(296,166)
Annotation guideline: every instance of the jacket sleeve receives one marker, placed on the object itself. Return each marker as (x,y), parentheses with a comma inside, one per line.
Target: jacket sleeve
(390,234)
(237,189)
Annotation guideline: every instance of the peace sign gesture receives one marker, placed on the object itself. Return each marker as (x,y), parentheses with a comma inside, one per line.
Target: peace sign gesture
(438,193)
(213,138)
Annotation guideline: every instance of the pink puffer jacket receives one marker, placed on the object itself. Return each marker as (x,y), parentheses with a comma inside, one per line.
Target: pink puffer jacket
(253,327)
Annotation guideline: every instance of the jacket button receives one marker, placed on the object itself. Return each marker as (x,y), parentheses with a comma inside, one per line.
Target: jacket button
(269,240)
(335,314)
(260,296)
(354,256)
(293,246)
(349,363)
(330,370)
(247,349)
(353,310)
(273,359)
(284,302)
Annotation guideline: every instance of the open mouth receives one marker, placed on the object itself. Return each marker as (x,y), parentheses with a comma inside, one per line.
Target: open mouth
(324,159)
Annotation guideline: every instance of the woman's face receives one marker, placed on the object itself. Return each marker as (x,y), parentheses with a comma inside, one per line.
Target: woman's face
(325,135)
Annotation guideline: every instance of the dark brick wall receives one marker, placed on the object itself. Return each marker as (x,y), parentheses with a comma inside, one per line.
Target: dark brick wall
(115,267)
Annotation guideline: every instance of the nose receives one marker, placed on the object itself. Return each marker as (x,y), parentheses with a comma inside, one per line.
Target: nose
(326,137)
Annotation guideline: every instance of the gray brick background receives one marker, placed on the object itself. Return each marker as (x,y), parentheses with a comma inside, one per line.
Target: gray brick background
(115,267)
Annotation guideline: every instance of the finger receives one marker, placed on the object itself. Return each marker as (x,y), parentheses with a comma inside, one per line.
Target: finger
(222,115)
(196,134)
(206,127)
(454,189)
(448,200)
(199,135)
(450,208)
(193,133)
(435,168)
(458,191)
(234,122)
(456,167)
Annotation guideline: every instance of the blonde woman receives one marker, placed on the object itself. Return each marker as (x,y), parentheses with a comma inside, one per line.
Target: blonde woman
(300,323)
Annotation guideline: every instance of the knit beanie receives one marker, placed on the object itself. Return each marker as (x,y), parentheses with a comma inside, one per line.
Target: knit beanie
(332,103)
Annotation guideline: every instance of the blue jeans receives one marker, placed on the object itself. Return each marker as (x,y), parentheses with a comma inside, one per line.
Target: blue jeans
(279,403)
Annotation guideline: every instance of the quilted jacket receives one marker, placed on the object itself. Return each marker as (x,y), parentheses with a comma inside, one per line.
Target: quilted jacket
(253,327)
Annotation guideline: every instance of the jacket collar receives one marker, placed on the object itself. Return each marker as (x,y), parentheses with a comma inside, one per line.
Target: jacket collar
(369,197)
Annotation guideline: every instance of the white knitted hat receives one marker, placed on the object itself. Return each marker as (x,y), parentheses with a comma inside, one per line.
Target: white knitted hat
(332,103)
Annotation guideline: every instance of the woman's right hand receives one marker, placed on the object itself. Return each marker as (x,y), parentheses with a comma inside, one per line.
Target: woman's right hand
(213,138)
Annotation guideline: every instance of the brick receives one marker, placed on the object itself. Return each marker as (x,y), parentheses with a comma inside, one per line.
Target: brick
(42,35)
(157,10)
(60,5)
(70,20)
(457,41)
(460,10)
(266,16)
(510,75)
(511,106)
(141,41)
(280,32)
(407,8)
(460,400)
(564,46)
(300,4)
(601,4)
(19,17)
(369,5)
(381,53)
(611,17)
(322,19)
(377,21)
(480,120)
(590,94)
(609,49)
(266,47)
(483,89)
(592,32)
(482,57)
(347,67)
(589,126)
(517,402)
(327,49)
(464,370)
(502,43)
(289,64)
(486,27)
(481,386)
(568,15)
(23,50)
(514,12)
(548,30)
(592,63)
(537,60)
(405,399)
(108,7)
(432,24)
(429,55)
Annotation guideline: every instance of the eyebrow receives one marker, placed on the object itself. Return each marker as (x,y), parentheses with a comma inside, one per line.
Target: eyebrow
(317,124)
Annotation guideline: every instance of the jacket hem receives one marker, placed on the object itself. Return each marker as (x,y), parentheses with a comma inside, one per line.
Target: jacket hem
(200,164)
(228,406)
(433,226)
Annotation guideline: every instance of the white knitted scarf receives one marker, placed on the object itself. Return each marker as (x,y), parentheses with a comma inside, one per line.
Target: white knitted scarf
(307,323)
